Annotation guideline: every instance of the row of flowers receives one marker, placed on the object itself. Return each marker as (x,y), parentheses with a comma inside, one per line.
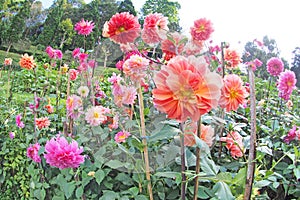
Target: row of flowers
(184,83)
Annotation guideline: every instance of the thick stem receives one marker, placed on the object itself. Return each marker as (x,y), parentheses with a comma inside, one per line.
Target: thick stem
(182,152)
(197,162)
(143,134)
(252,150)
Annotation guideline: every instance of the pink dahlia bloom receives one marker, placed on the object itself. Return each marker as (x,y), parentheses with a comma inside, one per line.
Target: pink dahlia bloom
(54,53)
(76,52)
(135,67)
(155,28)
(19,123)
(73,74)
(291,135)
(62,154)
(33,152)
(274,66)
(42,122)
(286,84)
(201,30)
(186,88)
(12,135)
(190,131)
(232,59)
(122,28)
(234,143)
(84,27)
(122,136)
(74,106)
(173,46)
(96,115)
(233,93)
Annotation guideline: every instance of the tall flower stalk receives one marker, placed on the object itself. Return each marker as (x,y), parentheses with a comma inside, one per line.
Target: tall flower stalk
(197,162)
(182,154)
(143,135)
(252,149)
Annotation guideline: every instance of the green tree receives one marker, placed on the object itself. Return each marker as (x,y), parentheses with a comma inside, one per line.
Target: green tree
(52,23)
(296,65)
(15,25)
(263,51)
(126,6)
(168,8)
(65,32)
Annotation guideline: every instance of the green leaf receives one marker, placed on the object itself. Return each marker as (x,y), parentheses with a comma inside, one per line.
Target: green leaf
(208,166)
(240,177)
(79,192)
(168,174)
(109,195)
(262,183)
(114,164)
(141,197)
(99,175)
(297,172)
(222,191)
(224,177)
(167,132)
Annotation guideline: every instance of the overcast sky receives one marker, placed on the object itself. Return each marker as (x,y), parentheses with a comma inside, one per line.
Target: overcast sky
(239,21)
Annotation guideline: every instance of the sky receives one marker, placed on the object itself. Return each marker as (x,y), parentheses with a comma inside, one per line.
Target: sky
(240,21)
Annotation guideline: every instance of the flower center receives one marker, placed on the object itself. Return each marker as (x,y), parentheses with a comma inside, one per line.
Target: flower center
(121,29)
(185,95)
(232,94)
(96,115)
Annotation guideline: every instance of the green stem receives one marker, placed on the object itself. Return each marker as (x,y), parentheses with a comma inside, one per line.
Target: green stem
(143,134)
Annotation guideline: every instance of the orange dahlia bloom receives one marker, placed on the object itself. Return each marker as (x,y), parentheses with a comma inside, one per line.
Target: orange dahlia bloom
(27,62)
(42,122)
(186,88)
(232,59)
(207,134)
(233,93)
(122,28)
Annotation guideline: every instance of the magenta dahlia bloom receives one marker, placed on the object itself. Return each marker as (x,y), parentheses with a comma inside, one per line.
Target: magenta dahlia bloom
(33,152)
(275,66)
(286,84)
(84,27)
(62,154)
(19,123)
(291,135)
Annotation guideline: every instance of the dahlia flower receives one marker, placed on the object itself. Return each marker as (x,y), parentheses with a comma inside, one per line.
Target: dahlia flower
(207,134)
(186,88)
(234,143)
(232,59)
(84,27)
(155,28)
(233,93)
(135,67)
(201,30)
(7,61)
(83,91)
(73,74)
(274,66)
(33,152)
(54,53)
(62,154)
(121,136)
(27,62)
(42,122)
(286,84)
(19,123)
(122,28)
(96,115)
(174,46)
(74,106)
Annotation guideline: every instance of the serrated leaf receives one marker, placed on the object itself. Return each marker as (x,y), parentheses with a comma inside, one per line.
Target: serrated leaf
(167,174)
(222,191)
(109,195)
(224,177)
(262,183)
(297,172)
(240,177)
(99,175)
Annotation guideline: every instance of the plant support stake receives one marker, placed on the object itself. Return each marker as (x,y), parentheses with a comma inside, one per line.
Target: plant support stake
(252,150)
